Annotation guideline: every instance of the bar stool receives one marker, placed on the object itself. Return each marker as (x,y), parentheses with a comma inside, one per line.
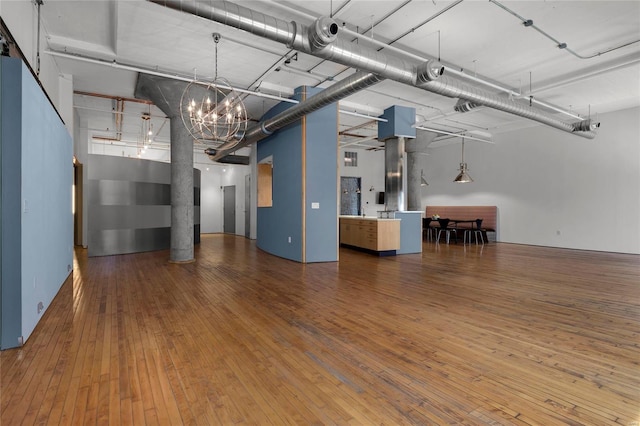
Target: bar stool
(475,231)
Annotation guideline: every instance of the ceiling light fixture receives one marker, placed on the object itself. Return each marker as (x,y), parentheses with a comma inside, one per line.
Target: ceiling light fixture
(463,176)
(213,112)
(146,132)
(423,181)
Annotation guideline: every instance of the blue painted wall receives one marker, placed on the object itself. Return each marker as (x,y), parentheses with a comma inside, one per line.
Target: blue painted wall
(10,255)
(322,185)
(47,220)
(410,232)
(44,218)
(285,218)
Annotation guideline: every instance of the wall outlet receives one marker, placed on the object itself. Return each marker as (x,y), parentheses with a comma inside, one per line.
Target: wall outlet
(40,307)
(289,240)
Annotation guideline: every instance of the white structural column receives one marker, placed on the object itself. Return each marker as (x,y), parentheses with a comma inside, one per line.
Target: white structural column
(181,192)
(416,149)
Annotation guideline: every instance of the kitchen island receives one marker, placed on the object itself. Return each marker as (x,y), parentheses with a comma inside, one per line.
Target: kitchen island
(375,235)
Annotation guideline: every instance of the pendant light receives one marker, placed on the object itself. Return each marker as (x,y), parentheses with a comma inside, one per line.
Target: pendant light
(463,176)
(213,112)
(423,181)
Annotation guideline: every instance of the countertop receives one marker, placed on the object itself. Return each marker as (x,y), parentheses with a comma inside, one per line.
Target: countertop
(366,218)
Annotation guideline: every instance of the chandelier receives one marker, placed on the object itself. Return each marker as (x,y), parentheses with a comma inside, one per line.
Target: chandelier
(213,112)
(146,133)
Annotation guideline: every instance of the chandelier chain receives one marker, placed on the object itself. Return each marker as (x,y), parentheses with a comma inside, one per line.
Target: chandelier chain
(216,40)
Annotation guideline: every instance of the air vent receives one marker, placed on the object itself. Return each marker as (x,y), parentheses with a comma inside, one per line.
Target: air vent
(350,159)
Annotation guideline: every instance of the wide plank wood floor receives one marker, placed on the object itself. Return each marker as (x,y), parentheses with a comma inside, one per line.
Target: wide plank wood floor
(496,335)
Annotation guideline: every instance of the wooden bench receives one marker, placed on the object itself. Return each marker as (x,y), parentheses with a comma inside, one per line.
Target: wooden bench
(488,214)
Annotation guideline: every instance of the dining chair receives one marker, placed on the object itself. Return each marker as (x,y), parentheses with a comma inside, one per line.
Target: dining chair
(427,230)
(444,226)
(477,232)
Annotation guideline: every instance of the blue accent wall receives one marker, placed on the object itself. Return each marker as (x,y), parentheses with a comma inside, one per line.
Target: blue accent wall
(38,220)
(410,232)
(322,185)
(47,219)
(10,255)
(285,218)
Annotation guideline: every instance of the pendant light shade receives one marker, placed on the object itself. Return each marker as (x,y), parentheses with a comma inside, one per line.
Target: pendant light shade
(423,181)
(463,176)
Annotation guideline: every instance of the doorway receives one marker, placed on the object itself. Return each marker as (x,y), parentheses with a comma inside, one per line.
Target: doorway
(77,203)
(229,209)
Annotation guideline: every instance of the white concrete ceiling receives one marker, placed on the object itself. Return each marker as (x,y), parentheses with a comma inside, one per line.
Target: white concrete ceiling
(479,37)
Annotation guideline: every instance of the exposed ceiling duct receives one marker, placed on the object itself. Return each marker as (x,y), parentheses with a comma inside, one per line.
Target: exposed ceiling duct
(465,106)
(298,36)
(342,89)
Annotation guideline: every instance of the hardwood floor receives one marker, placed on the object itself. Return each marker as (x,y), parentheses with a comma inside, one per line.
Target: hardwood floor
(500,335)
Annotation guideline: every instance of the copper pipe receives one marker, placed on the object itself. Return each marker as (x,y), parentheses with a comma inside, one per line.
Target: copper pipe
(100,95)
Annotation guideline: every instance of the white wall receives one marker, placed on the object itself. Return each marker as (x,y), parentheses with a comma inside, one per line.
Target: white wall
(551,188)
(371,169)
(214,177)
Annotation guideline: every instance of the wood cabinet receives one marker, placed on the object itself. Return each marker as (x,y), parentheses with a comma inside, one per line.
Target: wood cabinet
(370,233)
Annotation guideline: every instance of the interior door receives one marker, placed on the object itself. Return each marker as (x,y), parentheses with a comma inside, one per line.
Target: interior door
(77,203)
(247,206)
(229,209)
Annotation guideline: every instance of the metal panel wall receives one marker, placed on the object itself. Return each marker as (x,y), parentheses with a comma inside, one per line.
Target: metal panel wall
(393,184)
(130,205)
